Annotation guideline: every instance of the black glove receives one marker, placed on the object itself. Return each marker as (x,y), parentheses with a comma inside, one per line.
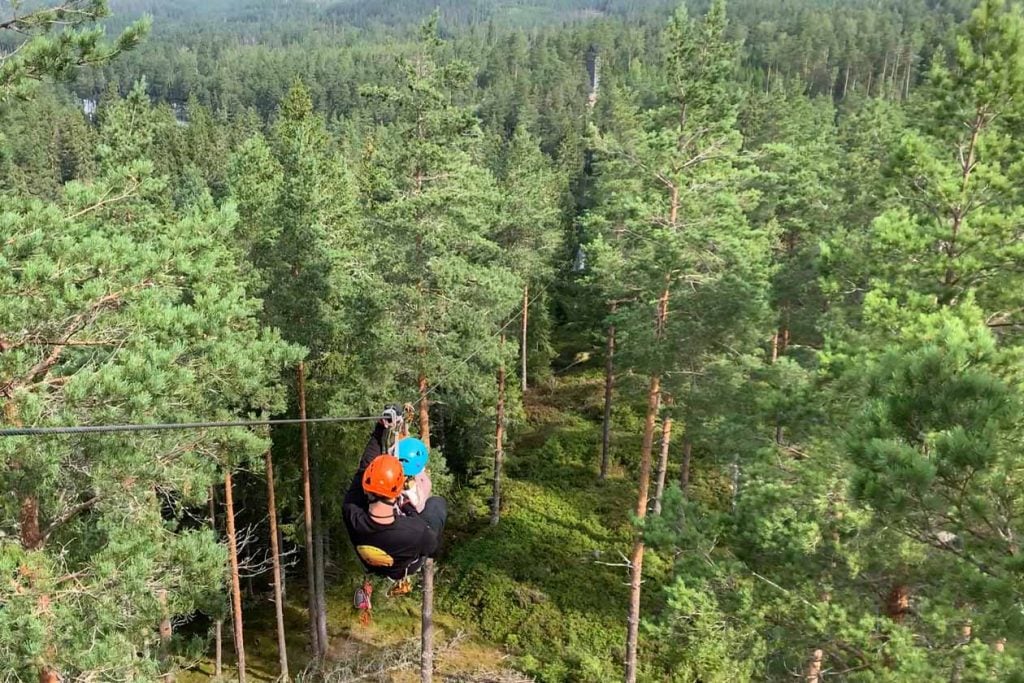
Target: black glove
(392,415)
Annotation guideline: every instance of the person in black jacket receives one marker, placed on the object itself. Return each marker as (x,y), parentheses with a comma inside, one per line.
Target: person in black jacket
(390,541)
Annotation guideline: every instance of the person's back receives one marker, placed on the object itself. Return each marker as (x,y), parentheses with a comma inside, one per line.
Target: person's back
(388,543)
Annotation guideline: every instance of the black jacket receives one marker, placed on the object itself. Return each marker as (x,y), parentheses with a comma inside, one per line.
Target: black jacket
(391,550)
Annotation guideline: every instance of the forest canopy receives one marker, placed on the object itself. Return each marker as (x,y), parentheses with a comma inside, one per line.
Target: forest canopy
(709,314)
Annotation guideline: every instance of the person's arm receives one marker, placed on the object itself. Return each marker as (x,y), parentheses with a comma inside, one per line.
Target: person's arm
(374,447)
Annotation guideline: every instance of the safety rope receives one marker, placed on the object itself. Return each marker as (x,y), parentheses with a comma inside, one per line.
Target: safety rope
(165,426)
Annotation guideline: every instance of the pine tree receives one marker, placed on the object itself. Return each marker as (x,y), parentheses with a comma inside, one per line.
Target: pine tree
(433,223)
(676,185)
(42,53)
(119,309)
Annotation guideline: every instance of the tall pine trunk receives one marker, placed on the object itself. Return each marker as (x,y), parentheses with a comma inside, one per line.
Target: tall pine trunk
(307,518)
(31,537)
(236,586)
(31,534)
(499,441)
(609,387)
(427,628)
(659,489)
(814,667)
(218,625)
(165,636)
(319,557)
(424,411)
(684,473)
(637,557)
(275,556)
(523,335)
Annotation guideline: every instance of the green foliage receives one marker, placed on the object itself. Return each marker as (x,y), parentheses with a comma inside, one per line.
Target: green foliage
(120,309)
(41,52)
(534,583)
(829,194)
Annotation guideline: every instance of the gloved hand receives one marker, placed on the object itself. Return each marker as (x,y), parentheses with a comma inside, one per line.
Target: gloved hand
(392,415)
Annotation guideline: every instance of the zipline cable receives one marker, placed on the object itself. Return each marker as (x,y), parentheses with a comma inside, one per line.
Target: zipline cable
(166,426)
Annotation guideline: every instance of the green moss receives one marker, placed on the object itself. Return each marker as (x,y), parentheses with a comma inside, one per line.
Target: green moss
(535,583)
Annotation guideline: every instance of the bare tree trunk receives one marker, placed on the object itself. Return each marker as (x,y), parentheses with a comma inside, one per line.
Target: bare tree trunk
(32,539)
(735,467)
(780,342)
(898,603)
(318,555)
(609,387)
(814,667)
(637,557)
(684,474)
(659,488)
(424,411)
(275,555)
(427,642)
(910,69)
(307,518)
(236,586)
(522,341)
(165,636)
(499,442)
(966,632)
(31,534)
(218,625)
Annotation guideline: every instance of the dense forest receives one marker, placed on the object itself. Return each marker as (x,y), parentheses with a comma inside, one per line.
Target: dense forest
(711,315)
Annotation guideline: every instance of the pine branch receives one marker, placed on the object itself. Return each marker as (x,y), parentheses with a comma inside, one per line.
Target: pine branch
(69,515)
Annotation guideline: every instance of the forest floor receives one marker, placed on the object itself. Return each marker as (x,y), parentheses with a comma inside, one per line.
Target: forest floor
(538,596)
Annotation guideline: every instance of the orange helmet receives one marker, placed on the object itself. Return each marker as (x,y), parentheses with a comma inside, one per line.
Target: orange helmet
(383,477)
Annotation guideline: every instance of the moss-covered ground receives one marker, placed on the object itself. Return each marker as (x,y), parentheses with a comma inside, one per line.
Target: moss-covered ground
(536,596)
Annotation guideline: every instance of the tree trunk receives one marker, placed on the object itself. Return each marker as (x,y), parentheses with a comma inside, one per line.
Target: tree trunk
(275,556)
(307,518)
(609,386)
(659,489)
(735,481)
(499,442)
(318,555)
(427,642)
(218,625)
(966,632)
(779,342)
(637,558)
(31,534)
(236,586)
(165,636)
(814,667)
(522,340)
(898,603)
(684,473)
(424,411)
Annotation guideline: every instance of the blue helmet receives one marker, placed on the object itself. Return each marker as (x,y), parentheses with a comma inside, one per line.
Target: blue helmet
(413,454)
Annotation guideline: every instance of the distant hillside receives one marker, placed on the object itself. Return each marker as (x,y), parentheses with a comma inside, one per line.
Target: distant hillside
(366,13)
